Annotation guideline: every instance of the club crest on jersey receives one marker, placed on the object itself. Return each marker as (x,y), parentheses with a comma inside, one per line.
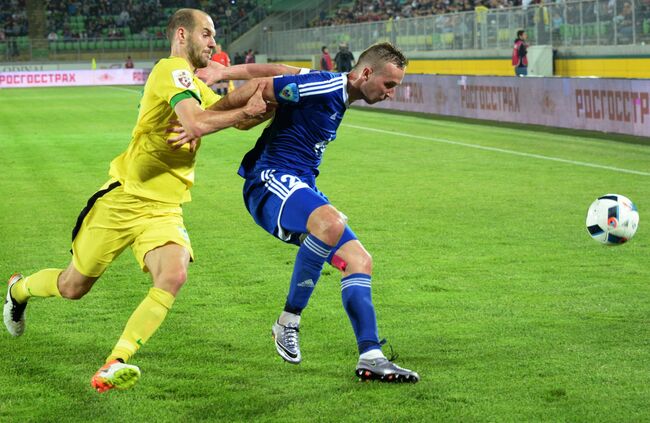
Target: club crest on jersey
(183,79)
(290,93)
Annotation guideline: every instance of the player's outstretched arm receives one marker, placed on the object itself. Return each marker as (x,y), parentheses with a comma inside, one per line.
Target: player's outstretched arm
(240,96)
(235,98)
(217,72)
(249,123)
(196,122)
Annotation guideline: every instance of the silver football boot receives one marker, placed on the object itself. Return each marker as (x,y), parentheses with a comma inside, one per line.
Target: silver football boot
(286,341)
(384,370)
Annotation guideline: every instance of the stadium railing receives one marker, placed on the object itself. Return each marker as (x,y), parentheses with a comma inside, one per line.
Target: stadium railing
(567,24)
(149,46)
(24,49)
(571,23)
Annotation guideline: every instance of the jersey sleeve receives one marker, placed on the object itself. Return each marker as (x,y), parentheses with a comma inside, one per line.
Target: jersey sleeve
(309,88)
(174,82)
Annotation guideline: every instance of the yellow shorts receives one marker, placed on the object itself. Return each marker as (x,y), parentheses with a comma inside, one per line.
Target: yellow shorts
(117,220)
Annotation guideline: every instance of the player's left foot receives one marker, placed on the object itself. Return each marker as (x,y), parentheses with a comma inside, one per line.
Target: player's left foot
(14,313)
(115,374)
(384,370)
(286,341)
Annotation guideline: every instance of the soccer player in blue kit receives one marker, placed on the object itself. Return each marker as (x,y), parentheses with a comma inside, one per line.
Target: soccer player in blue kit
(281,195)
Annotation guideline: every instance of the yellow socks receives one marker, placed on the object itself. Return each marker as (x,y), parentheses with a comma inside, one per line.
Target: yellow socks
(41,284)
(144,321)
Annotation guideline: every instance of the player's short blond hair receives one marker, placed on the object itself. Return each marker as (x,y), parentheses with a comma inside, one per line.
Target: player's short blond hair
(185,18)
(379,54)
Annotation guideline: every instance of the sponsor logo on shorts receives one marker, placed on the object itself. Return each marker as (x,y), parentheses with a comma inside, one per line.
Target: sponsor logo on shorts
(184,233)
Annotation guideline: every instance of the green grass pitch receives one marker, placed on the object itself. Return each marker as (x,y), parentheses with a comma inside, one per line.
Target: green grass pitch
(485,279)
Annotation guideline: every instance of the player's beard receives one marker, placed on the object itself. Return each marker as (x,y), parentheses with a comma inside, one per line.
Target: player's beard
(194,53)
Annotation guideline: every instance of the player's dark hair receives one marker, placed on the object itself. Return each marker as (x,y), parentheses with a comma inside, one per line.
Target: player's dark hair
(520,33)
(382,53)
(323,49)
(181,18)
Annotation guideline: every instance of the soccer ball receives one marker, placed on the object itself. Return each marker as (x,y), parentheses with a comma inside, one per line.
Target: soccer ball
(612,219)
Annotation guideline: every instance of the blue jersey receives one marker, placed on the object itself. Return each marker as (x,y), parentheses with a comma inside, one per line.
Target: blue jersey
(310,110)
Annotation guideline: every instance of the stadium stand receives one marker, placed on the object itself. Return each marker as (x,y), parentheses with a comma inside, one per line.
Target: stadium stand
(359,11)
(113,29)
(118,24)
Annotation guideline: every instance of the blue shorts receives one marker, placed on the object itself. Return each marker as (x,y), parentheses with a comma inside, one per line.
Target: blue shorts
(281,202)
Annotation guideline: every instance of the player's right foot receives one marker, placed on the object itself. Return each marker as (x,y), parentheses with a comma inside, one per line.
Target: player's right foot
(115,374)
(14,313)
(286,341)
(384,370)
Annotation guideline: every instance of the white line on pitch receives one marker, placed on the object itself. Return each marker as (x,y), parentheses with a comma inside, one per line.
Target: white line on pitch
(502,150)
(136,91)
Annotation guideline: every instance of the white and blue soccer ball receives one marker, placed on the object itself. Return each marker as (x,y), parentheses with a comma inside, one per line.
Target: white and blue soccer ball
(612,219)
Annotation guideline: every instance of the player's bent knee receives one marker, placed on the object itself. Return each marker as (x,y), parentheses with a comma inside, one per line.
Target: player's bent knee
(71,290)
(360,263)
(171,280)
(73,285)
(71,294)
(333,231)
(327,225)
(177,278)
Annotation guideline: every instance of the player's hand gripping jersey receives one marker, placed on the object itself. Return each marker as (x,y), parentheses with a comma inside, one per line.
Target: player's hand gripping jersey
(310,110)
(149,168)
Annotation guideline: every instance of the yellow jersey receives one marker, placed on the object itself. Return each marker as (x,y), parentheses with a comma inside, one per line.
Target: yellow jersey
(149,168)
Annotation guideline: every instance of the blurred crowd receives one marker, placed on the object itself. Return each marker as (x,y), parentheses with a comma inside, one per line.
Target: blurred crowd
(80,19)
(383,10)
(74,19)
(13,19)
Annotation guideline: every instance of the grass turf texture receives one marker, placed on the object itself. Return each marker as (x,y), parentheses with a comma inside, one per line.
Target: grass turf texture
(485,281)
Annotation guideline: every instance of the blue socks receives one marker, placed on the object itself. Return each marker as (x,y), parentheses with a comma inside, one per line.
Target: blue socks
(355,292)
(357,301)
(306,271)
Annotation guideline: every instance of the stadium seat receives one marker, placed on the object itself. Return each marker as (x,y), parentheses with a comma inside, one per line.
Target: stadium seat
(565,32)
(605,29)
(417,42)
(435,39)
(504,34)
(447,39)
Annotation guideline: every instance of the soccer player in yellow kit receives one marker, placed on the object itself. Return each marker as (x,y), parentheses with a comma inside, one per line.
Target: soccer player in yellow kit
(140,206)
